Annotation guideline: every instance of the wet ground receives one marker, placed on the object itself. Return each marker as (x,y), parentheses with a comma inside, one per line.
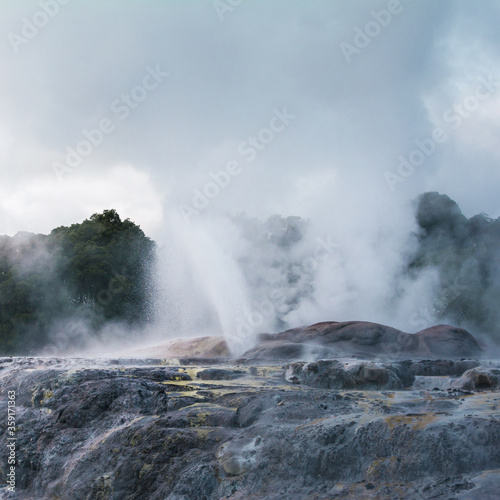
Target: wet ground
(194,428)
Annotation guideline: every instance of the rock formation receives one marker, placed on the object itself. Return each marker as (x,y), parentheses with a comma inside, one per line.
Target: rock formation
(367,341)
(202,426)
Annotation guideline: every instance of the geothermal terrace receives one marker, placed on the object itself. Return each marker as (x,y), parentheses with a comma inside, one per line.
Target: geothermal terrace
(334,410)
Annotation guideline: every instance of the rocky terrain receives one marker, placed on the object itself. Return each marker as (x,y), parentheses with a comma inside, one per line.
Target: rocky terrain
(335,410)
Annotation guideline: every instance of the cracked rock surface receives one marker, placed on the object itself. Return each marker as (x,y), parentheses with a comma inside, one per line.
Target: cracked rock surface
(192,428)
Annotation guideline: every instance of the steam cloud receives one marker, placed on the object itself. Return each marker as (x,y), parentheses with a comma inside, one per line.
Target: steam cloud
(241,276)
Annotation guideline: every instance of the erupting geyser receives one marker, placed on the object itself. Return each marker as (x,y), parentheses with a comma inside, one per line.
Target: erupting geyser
(202,290)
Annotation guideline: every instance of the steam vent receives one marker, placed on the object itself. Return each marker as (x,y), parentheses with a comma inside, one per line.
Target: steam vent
(333,410)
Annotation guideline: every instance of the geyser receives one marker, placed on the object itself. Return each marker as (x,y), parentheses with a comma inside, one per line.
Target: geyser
(202,289)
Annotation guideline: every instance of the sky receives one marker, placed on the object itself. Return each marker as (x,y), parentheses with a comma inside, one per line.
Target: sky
(340,112)
(360,82)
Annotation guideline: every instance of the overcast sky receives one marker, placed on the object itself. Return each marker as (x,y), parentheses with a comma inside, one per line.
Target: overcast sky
(336,94)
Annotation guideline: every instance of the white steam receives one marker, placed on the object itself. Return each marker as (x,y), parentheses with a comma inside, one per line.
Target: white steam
(237,277)
(202,289)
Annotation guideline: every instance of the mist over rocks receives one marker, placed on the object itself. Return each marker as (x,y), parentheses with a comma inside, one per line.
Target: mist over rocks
(335,409)
(365,340)
(328,339)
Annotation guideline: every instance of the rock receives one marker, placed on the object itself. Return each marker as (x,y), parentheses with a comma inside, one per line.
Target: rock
(478,379)
(483,486)
(332,374)
(219,374)
(443,341)
(275,349)
(316,428)
(437,368)
(200,347)
(251,410)
(365,340)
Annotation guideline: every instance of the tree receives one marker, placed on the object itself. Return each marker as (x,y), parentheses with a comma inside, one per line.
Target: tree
(98,271)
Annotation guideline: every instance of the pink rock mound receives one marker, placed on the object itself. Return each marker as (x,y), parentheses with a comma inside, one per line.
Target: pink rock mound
(200,347)
(365,340)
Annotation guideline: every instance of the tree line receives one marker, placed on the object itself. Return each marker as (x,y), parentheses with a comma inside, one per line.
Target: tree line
(93,272)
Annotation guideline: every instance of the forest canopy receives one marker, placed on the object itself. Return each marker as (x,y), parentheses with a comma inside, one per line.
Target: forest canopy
(94,272)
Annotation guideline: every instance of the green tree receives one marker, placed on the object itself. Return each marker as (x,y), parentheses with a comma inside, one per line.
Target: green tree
(99,270)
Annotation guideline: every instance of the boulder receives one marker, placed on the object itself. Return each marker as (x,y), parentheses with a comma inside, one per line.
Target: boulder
(478,379)
(219,374)
(332,374)
(199,347)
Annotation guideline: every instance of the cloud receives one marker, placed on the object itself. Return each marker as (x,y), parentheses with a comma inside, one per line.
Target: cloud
(45,202)
(353,119)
